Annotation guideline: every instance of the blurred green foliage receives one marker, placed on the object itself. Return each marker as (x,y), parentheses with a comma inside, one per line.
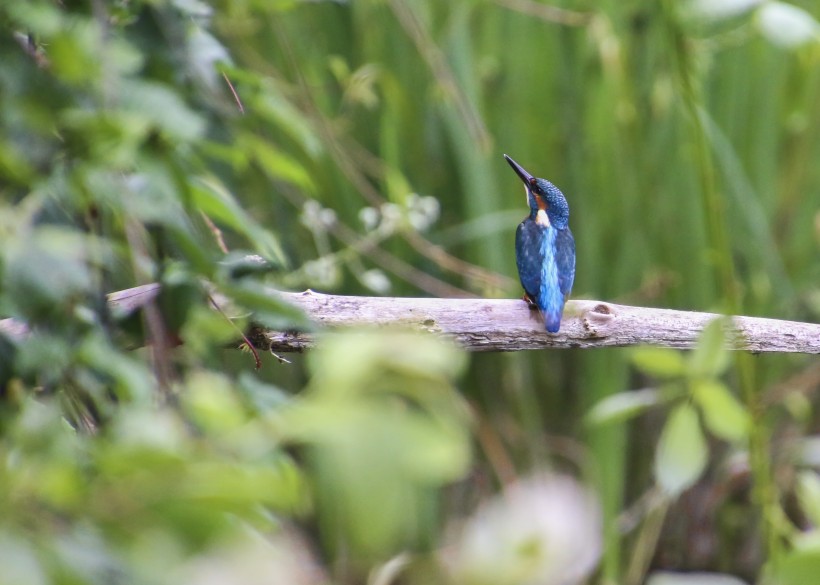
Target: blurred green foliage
(355,146)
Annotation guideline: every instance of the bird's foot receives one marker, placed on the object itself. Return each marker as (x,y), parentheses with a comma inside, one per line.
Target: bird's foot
(535,312)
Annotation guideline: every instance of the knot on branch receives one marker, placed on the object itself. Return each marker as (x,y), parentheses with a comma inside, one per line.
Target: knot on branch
(598,320)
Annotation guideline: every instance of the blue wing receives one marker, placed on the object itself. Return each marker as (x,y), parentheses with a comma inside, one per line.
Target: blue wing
(565,259)
(529,257)
(545,269)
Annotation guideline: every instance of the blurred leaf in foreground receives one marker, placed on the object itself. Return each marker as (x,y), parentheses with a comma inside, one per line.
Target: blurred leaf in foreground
(146,492)
(623,406)
(799,567)
(723,414)
(710,357)
(682,452)
(659,362)
(384,428)
(808,495)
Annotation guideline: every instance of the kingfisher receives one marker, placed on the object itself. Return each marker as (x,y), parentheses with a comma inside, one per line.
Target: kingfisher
(544,248)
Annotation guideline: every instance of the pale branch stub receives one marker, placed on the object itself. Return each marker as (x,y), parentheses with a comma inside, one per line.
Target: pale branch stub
(505,324)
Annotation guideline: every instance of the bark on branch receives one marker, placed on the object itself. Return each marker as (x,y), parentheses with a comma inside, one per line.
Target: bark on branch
(509,325)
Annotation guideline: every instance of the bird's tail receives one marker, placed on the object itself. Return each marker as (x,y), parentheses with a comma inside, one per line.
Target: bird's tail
(552,318)
(552,308)
(552,321)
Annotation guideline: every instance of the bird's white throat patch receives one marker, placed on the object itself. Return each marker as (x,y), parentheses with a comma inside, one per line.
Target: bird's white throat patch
(542,219)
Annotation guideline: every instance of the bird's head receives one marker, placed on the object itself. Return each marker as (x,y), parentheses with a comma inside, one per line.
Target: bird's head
(543,196)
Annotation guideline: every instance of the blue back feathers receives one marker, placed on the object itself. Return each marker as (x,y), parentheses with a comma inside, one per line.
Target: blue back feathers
(545,257)
(545,254)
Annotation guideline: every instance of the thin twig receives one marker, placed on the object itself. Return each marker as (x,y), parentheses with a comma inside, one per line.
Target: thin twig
(235,95)
(493,447)
(279,357)
(246,343)
(220,240)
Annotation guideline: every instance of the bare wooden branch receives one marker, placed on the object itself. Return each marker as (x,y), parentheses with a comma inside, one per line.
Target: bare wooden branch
(507,325)
(510,325)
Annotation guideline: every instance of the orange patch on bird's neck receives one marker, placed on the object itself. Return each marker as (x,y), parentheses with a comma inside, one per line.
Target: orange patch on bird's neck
(541,217)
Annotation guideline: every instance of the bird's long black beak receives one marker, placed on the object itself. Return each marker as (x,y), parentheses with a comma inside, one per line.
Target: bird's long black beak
(519,170)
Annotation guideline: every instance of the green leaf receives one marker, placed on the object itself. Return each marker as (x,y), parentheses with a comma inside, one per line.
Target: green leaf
(682,453)
(276,164)
(13,166)
(133,381)
(216,202)
(799,567)
(73,52)
(260,396)
(659,362)
(384,427)
(210,401)
(808,495)
(204,52)
(241,486)
(623,406)
(47,271)
(112,137)
(354,359)
(40,18)
(206,331)
(44,355)
(272,105)
(711,357)
(164,109)
(193,250)
(723,414)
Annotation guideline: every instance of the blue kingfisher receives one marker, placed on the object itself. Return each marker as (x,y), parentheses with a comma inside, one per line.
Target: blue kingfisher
(544,248)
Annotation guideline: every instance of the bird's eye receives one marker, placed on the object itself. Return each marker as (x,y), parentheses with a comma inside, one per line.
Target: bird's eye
(533,183)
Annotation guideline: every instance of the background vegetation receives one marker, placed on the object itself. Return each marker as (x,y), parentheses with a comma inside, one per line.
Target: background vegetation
(356,147)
